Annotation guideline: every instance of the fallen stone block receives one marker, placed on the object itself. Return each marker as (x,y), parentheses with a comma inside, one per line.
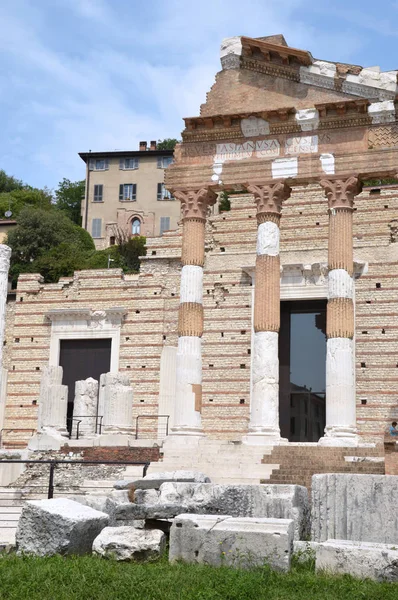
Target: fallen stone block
(129,543)
(359,559)
(93,501)
(58,526)
(263,501)
(153,481)
(237,542)
(355,507)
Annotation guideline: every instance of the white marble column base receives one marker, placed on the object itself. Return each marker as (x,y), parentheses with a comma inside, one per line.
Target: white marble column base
(339,436)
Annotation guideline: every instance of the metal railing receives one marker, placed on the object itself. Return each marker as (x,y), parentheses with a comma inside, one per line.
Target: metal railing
(160,431)
(78,419)
(54,463)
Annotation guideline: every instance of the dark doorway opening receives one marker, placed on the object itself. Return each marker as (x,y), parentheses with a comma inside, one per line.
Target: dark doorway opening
(81,359)
(302,370)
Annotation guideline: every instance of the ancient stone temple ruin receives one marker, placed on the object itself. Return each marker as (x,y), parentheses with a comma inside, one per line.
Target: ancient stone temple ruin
(270,323)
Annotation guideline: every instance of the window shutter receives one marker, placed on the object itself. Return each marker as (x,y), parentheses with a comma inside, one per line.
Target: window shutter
(159,195)
(96,227)
(164,224)
(121,163)
(121,191)
(91,165)
(106,161)
(134,192)
(160,162)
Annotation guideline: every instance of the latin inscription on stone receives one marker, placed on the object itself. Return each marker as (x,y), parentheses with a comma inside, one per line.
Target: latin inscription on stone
(261,149)
(267,148)
(254,126)
(302,145)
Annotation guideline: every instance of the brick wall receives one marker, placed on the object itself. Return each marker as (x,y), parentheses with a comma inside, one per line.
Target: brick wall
(152,301)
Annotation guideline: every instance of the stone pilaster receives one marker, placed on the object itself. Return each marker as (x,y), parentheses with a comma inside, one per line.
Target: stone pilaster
(340,366)
(264,407)
(188,399)
(5,254)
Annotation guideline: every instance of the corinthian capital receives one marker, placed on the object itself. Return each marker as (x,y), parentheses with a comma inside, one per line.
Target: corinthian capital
(341,192)
(269,198)
(194,203)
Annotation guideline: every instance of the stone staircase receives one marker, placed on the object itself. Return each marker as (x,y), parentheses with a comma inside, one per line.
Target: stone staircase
(297,463)
(222,461)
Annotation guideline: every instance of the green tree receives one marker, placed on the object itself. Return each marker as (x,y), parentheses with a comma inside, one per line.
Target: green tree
(8,183)
(69,198)
(224,203)
(167,144)
(35,243)
(18,199)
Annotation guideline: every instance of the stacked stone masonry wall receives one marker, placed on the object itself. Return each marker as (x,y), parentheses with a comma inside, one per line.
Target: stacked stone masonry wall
(152,303)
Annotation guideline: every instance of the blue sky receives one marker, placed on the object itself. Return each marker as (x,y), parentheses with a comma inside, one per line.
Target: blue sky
(103,74)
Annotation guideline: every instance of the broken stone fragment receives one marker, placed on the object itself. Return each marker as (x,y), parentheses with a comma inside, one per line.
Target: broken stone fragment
(129,543)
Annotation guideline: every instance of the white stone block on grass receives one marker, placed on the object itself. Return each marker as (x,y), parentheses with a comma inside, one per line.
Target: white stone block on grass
(237,542)
(355,507)
(359,559)
(58,526)
(129,543)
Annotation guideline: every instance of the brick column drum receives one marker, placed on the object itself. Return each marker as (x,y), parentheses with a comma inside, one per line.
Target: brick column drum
(188,399)
(264,404)
(340,366)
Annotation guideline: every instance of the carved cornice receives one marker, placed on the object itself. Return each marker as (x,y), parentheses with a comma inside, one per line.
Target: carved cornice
(269,198)
(341,192)
(195,203)
(268,50)
(93,318)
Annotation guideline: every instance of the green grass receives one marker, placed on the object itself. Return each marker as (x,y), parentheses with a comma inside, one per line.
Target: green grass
(88,577)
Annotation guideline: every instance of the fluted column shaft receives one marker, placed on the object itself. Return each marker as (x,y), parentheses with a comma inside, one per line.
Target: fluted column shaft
(264,404)
(188,399)
(340,368)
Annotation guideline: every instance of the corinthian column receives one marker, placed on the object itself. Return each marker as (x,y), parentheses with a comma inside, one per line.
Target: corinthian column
(340,367)
(264,403)
(188,399)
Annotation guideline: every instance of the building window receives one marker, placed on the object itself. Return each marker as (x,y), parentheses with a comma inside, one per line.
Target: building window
(98,164)
(112,240)
(128,163)
(135,226)
(96,227)
(98,190)
(164,161)
(163,194)
(164,224)
(127,192)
